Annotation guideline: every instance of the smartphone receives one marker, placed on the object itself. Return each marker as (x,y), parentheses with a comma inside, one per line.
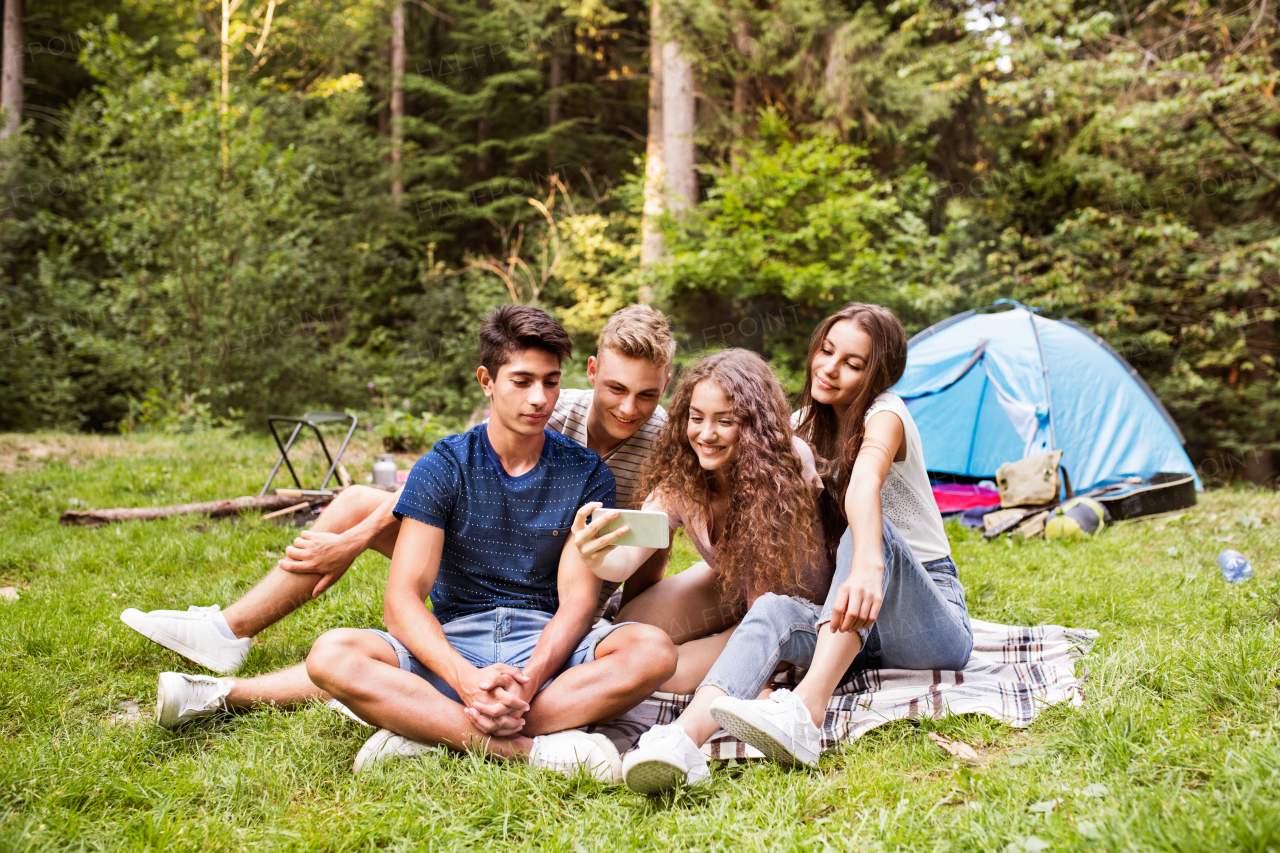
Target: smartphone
(648,529)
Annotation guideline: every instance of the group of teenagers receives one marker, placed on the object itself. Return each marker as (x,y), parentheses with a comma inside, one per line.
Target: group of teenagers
(822,548)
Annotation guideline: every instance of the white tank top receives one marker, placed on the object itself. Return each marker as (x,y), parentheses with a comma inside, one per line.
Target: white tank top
(906,498)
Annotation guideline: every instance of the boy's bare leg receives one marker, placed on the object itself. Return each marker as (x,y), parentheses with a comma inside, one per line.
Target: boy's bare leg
(284,687)
(358,519)
(361,669)
(630,663)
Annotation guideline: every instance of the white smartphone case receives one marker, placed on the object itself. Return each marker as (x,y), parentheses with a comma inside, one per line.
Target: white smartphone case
(648,529)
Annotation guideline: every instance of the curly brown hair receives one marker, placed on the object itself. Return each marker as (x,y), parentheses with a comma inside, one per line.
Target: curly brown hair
(769,531)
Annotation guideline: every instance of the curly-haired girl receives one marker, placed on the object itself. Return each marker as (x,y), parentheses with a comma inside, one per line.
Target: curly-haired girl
(728,468)
(895,600)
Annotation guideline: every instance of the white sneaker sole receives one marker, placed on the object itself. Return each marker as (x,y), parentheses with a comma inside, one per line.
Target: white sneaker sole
(137,620)
(375,751)
(765,737)
(168,703)
(608,770)
(653,777)
(369,754)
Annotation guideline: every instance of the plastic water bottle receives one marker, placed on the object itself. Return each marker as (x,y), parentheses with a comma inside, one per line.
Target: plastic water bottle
(1235,567)
(384,470)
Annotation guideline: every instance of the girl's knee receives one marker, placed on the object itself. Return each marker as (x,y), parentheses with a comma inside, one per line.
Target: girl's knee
(778,618)
(773,608)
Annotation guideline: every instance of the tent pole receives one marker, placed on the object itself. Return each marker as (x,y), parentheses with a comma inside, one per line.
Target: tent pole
(1044,369)
(977,419)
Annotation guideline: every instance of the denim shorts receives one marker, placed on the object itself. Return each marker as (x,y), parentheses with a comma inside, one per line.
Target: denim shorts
(502,635)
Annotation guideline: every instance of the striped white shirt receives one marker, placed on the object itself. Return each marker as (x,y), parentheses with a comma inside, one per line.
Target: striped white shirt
(627,460)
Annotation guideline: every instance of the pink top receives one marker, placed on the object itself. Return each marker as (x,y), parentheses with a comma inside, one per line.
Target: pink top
(816,574)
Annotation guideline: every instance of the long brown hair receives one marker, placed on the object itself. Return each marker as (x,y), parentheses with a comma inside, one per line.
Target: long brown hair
(840,441)
(770,525)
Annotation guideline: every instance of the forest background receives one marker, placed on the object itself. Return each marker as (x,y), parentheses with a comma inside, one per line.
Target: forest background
(213,212)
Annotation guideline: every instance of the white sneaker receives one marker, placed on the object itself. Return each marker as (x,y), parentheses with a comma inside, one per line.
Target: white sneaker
(386,745)
(192,634)
(181,698)
(335,705)
(663,758)
(571,751)
(779,726)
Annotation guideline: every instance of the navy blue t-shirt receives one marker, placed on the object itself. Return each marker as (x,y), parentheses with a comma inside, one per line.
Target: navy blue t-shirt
(503,534)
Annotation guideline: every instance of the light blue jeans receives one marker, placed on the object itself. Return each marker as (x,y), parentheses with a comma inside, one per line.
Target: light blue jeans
(923,624)
(502,635)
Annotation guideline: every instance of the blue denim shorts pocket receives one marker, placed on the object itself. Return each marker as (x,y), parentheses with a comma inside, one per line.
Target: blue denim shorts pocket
(503,635)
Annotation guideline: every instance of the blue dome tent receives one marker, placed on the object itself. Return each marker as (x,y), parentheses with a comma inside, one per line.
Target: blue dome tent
(988,386)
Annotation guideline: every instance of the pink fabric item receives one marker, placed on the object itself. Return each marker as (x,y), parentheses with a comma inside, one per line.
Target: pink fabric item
(955,498)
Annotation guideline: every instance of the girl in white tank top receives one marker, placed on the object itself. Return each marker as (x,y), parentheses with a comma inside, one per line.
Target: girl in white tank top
(895,600)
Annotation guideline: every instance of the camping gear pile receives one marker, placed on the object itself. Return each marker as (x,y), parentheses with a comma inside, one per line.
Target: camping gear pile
(1048,403)
(1030,505)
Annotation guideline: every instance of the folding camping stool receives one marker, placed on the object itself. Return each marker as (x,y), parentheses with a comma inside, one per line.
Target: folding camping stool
(313,420)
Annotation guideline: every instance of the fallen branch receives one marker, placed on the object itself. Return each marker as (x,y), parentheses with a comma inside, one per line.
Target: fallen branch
(213,509)
(293,499)
(289,510)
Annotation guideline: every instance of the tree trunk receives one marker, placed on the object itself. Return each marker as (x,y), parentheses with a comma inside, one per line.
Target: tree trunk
(11,75)
(677,129)
(1260,341)
(224,102)
(741,98)
(651,237)
(397,99)
(1259,467)
(553,108)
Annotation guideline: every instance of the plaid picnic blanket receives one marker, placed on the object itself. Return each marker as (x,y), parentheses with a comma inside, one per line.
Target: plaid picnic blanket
(1012,674)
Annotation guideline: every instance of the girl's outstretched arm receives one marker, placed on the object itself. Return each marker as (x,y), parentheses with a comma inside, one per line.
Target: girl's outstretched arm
(858,599)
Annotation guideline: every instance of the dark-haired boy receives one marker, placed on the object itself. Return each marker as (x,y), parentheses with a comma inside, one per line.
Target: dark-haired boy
(618,418)
(507,654)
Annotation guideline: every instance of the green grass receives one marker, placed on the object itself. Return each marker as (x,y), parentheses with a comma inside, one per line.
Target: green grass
(1178,735)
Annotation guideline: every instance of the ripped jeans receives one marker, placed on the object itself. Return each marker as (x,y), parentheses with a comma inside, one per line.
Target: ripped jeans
(923,624)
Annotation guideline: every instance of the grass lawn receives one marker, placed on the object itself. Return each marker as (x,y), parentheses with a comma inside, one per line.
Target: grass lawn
(1176,748)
